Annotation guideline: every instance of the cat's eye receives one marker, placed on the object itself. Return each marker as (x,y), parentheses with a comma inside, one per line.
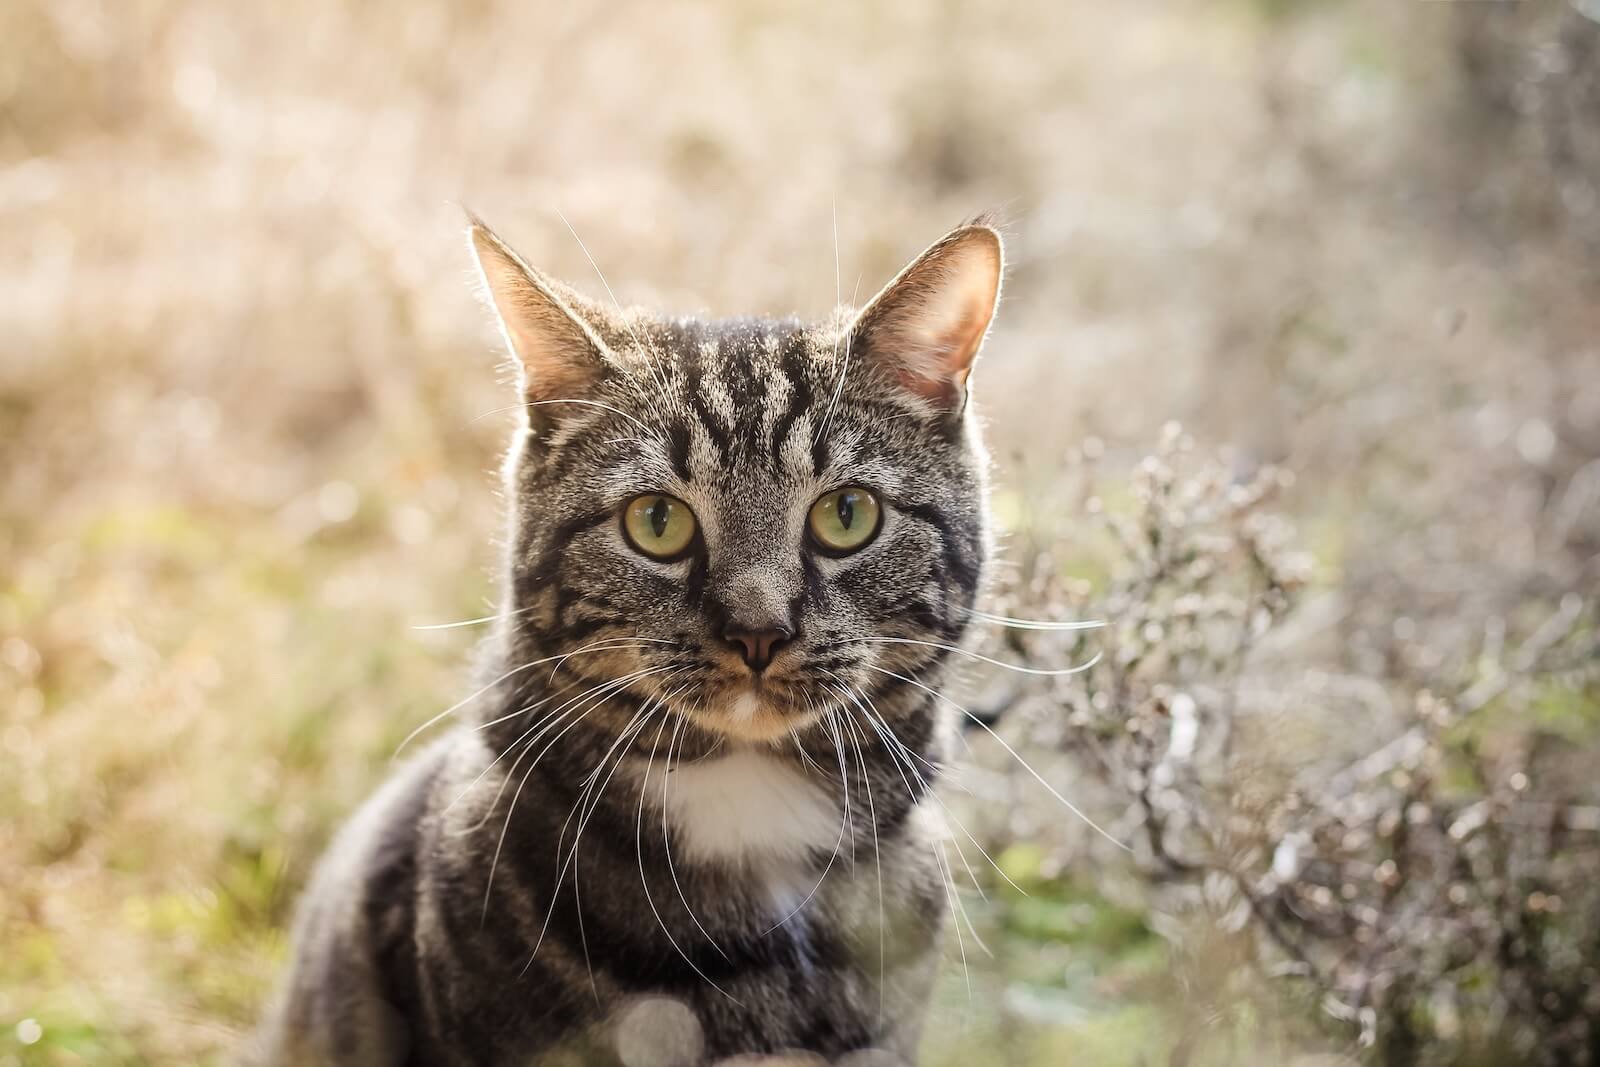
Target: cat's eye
(660,526)
(844,520)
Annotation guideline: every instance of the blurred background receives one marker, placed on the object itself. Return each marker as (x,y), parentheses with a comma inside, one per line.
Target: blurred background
(1296,385)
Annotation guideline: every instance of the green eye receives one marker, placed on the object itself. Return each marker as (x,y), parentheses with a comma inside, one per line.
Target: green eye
(660,526)
(844,520)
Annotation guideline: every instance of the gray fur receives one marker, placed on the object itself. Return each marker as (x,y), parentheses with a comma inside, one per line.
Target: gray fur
(642,931)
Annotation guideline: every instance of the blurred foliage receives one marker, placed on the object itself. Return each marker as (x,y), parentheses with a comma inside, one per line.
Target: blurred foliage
(1425,875)
(249,420)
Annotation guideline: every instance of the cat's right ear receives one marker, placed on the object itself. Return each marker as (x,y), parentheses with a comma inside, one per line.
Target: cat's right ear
(559,353)
(925,328)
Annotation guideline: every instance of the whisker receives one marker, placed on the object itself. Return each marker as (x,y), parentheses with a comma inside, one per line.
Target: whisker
(844,822)
(660,375)
(891,741)
(1045,672)
(457,706)
(666,840)
(636,725)
(457,625)
(849,337)
(550,721)
(582,403)
(644,640)
(464,701)
(583,935)
(950,898)
(644,882)
(956,892)
(877,859)
(1069,805)
(1034,624)
(475,622)
(511,809)
(845,691)
(808,764)
(508,716)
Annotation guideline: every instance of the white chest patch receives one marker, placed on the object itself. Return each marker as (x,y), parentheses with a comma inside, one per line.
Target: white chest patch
(748,806)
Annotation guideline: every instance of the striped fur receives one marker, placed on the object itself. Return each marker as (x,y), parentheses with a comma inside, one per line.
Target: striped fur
(634,842)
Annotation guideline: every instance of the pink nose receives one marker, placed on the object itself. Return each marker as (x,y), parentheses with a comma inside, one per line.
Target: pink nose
(757,646)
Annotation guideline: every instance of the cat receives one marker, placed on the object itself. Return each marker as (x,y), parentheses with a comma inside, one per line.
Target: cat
(693,816)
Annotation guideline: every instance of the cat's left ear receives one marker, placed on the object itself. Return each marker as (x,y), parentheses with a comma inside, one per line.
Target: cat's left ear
(925,328)
(560,354)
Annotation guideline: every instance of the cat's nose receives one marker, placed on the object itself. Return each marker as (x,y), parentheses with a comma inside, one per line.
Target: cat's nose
(758,646)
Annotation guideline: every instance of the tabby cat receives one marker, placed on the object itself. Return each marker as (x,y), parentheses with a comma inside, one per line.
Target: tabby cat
(691,818)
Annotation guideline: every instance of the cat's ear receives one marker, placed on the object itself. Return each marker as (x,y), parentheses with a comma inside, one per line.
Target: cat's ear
(560,354)
(925,328)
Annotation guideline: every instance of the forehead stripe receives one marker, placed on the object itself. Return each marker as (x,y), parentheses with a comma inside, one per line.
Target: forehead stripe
(697,402)
(800,398)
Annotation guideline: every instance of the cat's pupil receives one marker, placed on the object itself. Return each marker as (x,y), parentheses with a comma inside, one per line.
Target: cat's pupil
(847,509)
(658,517)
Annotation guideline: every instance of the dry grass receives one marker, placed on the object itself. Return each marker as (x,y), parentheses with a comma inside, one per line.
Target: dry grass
(249,410)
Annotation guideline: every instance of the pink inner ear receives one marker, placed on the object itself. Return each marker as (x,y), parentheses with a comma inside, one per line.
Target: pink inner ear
(559,356)
(926,326)
(554,365)
(939,371)
(948,349)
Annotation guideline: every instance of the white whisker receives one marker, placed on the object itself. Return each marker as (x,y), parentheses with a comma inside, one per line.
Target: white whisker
(464,701)
(542,725)
(1069,805)
(844,822)
(849,337)
(511,809)
(1034,624)
(636,725)
(955,919)
(877,859)
(457,625)
(659,374)
(886,733)
(1045,672)
(666,840)
(644,882)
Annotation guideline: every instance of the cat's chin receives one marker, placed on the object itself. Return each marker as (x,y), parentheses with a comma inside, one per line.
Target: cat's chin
(746,713)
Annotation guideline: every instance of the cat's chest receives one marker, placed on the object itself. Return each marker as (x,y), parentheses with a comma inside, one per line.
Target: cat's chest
(750,809)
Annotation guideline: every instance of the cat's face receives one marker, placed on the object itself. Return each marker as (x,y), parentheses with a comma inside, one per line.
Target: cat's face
(750,521)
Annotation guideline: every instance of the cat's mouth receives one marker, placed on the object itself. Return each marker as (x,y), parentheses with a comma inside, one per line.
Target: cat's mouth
(754,709)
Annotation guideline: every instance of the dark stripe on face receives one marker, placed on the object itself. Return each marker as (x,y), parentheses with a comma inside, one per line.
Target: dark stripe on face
(746,383)
(545,564)
(819,452)
(923,614)
(598,603)
(695,587)
(697,401)
(960,554)
(799,400)
(812,585)
(678,450)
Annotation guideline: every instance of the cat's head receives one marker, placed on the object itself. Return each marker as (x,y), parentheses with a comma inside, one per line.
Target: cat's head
(747,521)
